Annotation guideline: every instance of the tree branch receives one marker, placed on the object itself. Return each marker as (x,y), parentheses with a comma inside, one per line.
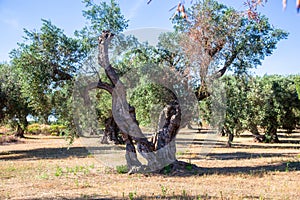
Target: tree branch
(103,59)
(202,92)
(62,75)
(100,85)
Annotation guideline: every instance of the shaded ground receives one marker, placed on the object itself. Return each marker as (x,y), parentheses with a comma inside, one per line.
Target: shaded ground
(44,168)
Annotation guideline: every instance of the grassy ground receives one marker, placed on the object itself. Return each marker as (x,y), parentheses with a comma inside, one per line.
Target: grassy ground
(42,167)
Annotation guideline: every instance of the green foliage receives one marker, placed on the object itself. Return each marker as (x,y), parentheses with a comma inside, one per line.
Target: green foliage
(270,102)
(167,169)
(14,108)
(122,169)
(104,105)
(39,81)
(44,176)
(189,167)
(131,195)
(297,83)
(100,17)
(47,62)
(222,38)
(164,190)
(54,129)
(105,16)
(59,171)
(149,100)
(34,129)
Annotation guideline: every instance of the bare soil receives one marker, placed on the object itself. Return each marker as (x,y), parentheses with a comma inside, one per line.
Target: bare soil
(41,167)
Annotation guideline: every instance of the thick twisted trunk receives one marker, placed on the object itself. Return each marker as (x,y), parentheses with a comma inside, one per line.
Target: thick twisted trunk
(123,113)
(158,152)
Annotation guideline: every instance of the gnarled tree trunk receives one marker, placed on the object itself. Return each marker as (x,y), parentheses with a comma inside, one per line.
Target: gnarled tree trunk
(158,152)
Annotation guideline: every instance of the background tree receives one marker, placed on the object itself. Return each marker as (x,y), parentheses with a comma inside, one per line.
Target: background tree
(222,39)
(48,61)
(280,107)
(268,102)
(14,107)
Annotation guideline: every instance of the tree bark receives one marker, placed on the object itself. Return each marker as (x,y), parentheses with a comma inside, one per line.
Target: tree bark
(112,133)
(20,132)
(271,134)
(230,139)
(256,136)
(164,140)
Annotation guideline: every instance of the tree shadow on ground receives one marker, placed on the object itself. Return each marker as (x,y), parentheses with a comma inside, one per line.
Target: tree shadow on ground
(254,170)
(285,145)
(286,142)
(187,169)
(246,155)
(57,153)
(44,153)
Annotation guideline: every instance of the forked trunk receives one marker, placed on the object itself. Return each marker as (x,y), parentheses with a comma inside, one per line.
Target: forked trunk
(158,152)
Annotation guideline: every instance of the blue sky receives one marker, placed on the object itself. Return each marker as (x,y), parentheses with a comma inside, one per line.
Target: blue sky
(67,14)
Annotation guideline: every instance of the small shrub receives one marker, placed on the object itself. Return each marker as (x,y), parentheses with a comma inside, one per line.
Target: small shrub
(184,193)
(287,169)
(56,129)
(131,195)
(59,171)
(163,190)
(44,176)
(45,129)
(37,129)
(122,169)
(53,130)
(34,129)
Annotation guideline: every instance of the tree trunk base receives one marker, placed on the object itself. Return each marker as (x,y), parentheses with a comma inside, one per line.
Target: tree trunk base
(259,138)
(177,168)
(20,132)
(112,133)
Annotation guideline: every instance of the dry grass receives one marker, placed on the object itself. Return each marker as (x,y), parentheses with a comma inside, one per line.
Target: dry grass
(42,168)
(6,139)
